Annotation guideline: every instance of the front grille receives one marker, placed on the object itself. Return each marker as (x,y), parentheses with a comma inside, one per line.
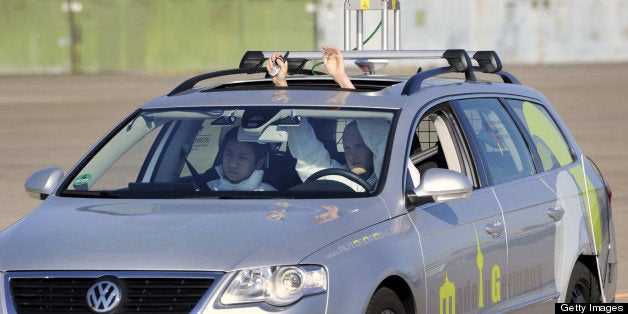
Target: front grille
(49,295)
(141,294)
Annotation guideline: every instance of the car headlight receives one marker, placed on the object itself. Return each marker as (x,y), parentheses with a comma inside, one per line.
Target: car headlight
(276,285)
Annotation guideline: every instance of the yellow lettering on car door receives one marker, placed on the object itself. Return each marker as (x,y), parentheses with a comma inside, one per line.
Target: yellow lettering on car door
(447,292)
(447,297)
(496,290)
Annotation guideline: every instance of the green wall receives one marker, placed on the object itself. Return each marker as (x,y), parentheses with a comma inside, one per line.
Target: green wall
(31,34)
(147,35)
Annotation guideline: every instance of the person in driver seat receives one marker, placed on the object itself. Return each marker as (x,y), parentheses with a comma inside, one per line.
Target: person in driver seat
(364,140)
(241,168)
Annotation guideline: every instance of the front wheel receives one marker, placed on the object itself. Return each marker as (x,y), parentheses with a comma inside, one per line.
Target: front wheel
(385,301)
(583,286)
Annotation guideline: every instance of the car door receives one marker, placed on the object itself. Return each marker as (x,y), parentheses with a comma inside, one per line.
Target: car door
(527,201)
(580,190)
(463,242)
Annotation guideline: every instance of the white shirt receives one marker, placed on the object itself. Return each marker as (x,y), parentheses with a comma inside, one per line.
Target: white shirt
(253,183)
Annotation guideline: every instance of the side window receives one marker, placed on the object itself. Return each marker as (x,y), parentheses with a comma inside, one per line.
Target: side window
(433,144)
(501,146)
(548,140)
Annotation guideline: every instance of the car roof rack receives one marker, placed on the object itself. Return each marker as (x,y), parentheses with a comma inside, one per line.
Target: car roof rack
(458,59)
(252,62)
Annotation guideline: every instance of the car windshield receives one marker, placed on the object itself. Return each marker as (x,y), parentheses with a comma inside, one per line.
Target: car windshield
(238,152)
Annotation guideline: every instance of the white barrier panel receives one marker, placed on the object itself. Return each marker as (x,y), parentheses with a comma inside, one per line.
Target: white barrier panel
(521,31)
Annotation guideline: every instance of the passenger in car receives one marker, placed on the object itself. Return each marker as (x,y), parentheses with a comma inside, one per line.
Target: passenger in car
(364,140)
(241,168)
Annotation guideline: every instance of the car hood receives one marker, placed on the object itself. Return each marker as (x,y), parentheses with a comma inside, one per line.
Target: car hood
(209,235)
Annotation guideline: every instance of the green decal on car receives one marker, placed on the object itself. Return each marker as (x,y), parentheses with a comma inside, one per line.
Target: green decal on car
(447,292)
(589,198)
(479,261)
(551,144)
(543,129)
(496,288)
(82,179)
(447,295)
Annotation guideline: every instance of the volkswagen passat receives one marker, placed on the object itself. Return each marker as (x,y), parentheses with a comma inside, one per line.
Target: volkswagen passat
(420,194)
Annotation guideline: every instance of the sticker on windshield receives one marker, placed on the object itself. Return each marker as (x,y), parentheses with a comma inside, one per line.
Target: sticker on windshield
(82,179)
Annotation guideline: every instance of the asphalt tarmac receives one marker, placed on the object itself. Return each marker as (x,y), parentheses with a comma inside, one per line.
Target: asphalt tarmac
(54,120)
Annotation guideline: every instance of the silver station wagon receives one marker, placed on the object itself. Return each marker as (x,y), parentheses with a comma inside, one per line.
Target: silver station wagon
(434,192)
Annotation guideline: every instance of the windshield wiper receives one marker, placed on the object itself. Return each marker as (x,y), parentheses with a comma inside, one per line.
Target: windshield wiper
(91,194)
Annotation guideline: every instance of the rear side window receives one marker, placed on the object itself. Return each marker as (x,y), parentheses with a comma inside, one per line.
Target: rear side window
(501,146)
(548,140)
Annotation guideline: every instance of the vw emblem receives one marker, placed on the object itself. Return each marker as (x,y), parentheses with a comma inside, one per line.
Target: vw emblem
(103,296)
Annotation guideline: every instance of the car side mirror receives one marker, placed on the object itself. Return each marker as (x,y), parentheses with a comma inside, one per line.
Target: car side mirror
(41,183)
(439,185)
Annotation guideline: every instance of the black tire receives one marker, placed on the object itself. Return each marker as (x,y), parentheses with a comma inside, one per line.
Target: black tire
(385,301)
(583,286)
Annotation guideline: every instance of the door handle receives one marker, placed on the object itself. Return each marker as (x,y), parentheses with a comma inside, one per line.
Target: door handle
(494,228)
(556,212)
